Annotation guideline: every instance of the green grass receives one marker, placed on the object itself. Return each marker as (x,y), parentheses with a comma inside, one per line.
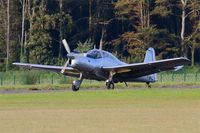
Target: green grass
(63,99)
(93,98)
(102,111)
(91,85)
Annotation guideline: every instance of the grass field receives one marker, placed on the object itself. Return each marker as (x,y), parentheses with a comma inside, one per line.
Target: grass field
(118,111)
(96,85)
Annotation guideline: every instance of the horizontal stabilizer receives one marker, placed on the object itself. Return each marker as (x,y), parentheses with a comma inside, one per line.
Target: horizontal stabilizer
(178,68)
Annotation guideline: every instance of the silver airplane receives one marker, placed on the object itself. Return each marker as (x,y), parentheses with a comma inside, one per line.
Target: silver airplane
(103,66)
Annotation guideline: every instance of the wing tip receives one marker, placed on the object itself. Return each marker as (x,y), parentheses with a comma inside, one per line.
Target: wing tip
(18,63)
(186,60)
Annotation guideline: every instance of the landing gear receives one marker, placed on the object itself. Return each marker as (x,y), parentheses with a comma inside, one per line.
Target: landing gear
(74,88)
(148,85)
(126,84)
(109,82)
(110,85)
(77,83)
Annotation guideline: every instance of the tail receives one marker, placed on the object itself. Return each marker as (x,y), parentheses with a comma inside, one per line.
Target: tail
(150,57)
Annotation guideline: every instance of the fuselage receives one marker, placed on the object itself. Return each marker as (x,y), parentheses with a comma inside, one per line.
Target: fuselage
(95,59)
(92,62)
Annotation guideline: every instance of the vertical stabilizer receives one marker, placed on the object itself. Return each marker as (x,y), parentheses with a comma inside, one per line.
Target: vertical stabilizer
(150,57)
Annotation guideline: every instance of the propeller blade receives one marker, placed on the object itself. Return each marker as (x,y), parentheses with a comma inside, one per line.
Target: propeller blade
(66,64)
(66,46)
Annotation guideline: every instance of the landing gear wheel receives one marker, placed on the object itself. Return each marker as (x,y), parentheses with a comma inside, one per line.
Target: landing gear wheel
(74,88)
(110,85)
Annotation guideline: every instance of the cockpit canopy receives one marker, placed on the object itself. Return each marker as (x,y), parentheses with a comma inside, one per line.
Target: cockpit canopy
(97,54)
(100,54)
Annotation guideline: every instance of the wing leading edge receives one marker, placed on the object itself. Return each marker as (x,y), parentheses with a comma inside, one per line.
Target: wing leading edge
(68,70)
(142,69)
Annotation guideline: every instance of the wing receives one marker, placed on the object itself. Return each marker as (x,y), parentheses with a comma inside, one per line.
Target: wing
(142,69)
(68,70)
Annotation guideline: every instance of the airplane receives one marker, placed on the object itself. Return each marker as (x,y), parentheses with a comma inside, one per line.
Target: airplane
(101,65)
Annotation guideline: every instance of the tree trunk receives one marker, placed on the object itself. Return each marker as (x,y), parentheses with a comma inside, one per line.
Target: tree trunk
(25,45)
(183,33)
(141,15)
(102,36)
(148,14)
(90,17)
(144,14)
(192,55)
(22,30)
(183,17)
(8,35)
(60,30)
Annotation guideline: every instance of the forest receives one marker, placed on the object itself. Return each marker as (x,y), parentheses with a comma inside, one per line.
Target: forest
(31,31)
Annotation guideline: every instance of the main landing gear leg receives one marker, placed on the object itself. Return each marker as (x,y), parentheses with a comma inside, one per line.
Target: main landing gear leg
(77,83)
(109,82)
(126,84)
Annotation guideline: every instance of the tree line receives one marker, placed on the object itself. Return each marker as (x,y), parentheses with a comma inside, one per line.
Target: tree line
(32,30)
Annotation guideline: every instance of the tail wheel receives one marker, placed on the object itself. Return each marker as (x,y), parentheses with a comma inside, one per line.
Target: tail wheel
(148,85)
(110,85)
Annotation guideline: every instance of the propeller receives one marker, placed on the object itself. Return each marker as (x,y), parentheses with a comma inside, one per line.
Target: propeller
(66,46)
(66,64)
(68,51)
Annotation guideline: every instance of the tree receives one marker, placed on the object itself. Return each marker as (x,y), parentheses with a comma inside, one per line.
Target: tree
(5,5)
(38,46)
(24,4)
(31,31)
(90,16)
(8,34)
(102,17)
(138,13)
(194,40)
(189,9)
(84,47)
(163,8)
(3,29)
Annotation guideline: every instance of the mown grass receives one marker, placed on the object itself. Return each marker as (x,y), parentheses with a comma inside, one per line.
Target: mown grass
(78,99)
(102,111)
(87,85)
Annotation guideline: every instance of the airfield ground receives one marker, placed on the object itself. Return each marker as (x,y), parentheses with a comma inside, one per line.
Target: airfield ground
(102,111)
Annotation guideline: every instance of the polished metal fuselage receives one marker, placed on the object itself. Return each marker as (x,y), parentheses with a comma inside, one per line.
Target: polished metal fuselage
(92,68)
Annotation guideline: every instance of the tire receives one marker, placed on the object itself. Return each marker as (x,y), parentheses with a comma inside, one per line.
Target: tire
(110,85)
(74,88)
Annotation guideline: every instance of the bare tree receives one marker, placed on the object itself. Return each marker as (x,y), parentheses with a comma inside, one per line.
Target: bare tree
(8,35)
(90,17)
(24,13)
(183,17)
(60,28)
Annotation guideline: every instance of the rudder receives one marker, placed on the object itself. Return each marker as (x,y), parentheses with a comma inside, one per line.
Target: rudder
(150,57)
